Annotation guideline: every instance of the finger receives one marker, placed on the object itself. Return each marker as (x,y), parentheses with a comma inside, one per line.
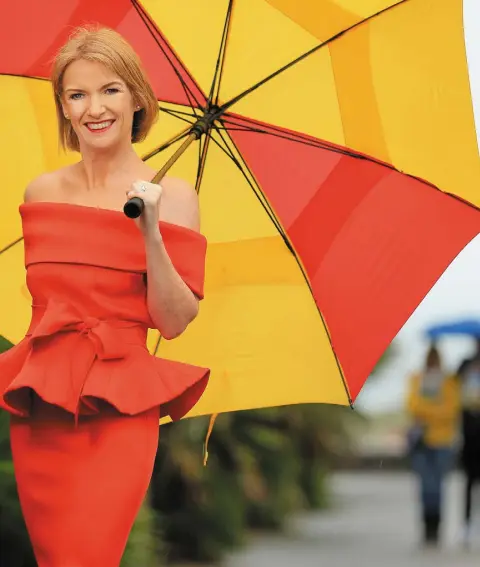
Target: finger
(140,186)
(153,187)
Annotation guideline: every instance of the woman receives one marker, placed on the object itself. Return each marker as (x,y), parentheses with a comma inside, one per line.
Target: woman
(84,393)
(433,404)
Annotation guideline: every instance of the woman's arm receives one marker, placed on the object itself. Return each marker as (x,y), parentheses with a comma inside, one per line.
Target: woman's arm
(171,303)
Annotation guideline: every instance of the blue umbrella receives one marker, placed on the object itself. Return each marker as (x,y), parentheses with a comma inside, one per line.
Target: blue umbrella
(470,327)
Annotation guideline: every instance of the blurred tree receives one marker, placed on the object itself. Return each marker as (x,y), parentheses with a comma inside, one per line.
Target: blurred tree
(263,465)
(144,544)
(4,344)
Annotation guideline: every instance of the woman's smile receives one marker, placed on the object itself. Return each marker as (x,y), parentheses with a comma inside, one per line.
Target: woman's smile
(99,127)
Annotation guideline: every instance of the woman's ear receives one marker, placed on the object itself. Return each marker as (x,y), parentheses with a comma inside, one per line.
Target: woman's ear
(64,110)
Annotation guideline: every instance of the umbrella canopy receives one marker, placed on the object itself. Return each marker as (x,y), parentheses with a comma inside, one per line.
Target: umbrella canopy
(469,327)
(337,180)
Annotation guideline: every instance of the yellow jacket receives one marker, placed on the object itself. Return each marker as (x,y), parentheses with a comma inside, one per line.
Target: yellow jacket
(439,416)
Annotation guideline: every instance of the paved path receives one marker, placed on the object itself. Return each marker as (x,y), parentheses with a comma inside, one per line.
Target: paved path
(373,523)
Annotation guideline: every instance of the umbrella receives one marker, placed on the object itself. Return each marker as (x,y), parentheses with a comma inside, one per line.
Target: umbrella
(469,327)
(337,172)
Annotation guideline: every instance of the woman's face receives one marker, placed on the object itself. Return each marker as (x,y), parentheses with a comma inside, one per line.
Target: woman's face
(98,104)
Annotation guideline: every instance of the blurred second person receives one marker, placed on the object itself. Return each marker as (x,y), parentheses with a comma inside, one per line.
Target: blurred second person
(433,405)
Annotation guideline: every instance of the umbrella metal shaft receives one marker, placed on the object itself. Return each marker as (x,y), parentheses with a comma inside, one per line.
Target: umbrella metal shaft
(162,172)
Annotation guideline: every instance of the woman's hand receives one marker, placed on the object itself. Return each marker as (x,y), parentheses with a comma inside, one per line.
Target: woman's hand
(151,195)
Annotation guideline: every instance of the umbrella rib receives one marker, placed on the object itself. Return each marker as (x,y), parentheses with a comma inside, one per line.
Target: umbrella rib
(202,159)
(320,144)
(20,76)
(150,25)
(298,138)
(339,34)
(157,345)
(225,148)
(230,119)
(45,80)
(11,245)
(219,66)
(301,138)
(258,194)
(292,138)
(257,189)
(227,152)
(179,115)
(284,135)
(166,145)
(175,112)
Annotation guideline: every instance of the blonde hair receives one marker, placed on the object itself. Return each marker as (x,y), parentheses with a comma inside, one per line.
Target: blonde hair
(106,46)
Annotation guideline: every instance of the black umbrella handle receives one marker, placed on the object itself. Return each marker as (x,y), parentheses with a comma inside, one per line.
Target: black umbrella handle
(133,208)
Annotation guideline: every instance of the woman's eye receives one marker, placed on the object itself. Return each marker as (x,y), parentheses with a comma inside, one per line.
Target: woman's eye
(111,90)
(75,96)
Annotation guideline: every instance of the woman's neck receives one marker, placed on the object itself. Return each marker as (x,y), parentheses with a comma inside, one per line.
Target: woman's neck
(102,169)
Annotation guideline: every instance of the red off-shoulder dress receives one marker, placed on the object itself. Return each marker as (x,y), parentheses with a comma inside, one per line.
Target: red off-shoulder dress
(84,392)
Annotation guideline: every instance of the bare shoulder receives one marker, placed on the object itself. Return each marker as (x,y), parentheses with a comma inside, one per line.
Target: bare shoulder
(180,203)
(40,188)
(47,186)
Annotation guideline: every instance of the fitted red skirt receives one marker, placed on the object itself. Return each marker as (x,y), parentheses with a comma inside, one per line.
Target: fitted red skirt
(81,485)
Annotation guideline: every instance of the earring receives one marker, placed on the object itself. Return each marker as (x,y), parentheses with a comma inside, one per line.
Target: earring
(67,117)
(137,107)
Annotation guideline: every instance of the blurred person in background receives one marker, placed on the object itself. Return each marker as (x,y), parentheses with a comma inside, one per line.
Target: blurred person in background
(469,375)
(433,405)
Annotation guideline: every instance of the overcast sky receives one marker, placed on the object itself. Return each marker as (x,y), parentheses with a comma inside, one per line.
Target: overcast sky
(456,294)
